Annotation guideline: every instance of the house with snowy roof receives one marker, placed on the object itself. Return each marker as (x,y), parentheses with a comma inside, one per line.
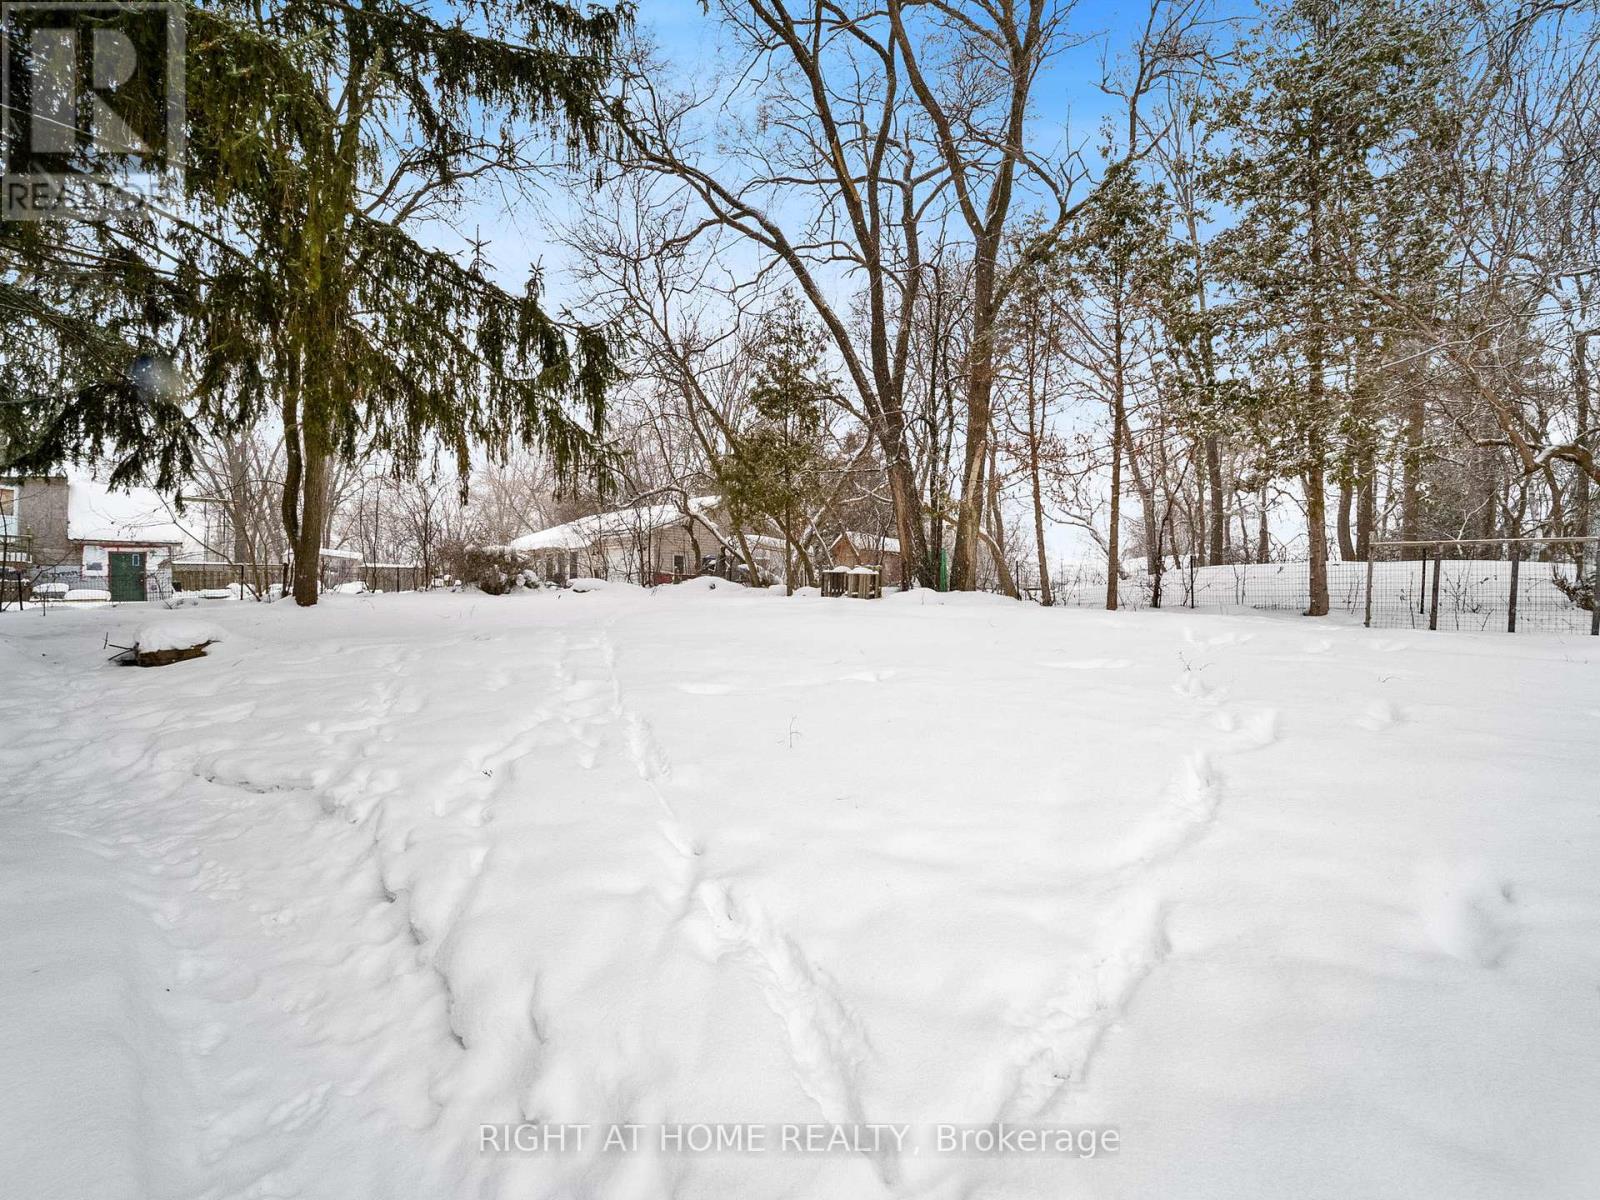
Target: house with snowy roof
(673,540)
(853,548)
(77,534)
(646,543)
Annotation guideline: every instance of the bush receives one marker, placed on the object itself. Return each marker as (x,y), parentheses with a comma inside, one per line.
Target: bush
(493,570)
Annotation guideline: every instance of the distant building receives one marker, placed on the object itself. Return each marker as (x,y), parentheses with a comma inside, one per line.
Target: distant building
(854,549)
(78,535)
(667,542)
(768,552)
(648,544)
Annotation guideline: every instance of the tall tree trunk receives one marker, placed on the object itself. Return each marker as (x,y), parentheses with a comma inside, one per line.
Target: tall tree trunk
(293,469)
(239,503)
(1317,532)
(1411,473)
(914,564)
(1046,595)
(1581,502)
(1002,568)
(938,462)
(1141,484)
(788,557)
(936,509)
(313,517)
(1315,476)
(969,509)
(1114,536)
(1219,522)
(1366,502)
(1147,506)
(1491,504)
(1263,532)
(1347,542)
(997,529)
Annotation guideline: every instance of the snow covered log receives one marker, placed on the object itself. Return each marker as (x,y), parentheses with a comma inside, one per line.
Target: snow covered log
(162,643)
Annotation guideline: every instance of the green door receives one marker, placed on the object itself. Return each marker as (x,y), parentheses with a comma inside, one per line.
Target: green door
(127,576)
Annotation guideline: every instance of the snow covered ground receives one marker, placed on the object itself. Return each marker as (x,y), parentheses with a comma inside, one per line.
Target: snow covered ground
(1295,909)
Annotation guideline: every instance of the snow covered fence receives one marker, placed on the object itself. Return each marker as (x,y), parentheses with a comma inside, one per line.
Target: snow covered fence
(1528,586)
(1544,585)
(1236,587)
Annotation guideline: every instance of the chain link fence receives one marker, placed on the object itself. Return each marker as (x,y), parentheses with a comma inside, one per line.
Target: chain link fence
(46,586)
(24,585)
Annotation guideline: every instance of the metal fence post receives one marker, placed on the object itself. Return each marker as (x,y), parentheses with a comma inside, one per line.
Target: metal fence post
(1511,603)
(1433,604)
(1422,585)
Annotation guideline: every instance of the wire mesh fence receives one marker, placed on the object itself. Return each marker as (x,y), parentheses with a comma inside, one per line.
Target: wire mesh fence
(24,584)
(69,585)
(1533,585)
(1282,586)
(1529,585)
(170,583)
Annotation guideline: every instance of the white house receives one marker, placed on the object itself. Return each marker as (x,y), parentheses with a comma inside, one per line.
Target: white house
(650,543)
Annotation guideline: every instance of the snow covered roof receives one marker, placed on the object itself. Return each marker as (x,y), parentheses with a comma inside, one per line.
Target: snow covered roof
(96,513)
(351,555)
(870,540)
(622,522)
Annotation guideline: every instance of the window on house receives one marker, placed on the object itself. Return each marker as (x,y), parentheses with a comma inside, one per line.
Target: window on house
(8,502)
(677,564)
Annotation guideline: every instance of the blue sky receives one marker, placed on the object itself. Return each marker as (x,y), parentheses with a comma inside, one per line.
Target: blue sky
(1069,108)
(1068,98)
